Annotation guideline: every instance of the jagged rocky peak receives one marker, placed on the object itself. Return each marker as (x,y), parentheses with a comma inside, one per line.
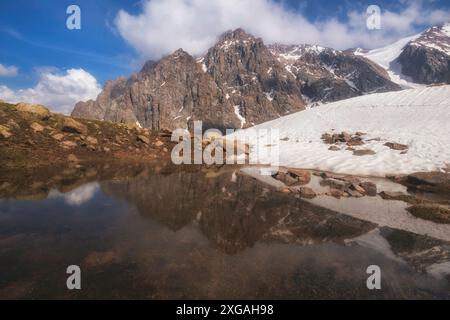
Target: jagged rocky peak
(257,85)
(436,37)
(238,83)
(294,51)
(236,36)
(426,59)
(327,75)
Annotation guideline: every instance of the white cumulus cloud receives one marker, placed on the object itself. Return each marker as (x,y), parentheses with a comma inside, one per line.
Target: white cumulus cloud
(56,90)
(194,25)
(7,71)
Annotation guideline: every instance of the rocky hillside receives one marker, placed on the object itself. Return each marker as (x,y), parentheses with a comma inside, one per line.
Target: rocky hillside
(32,136)
(327,75)
(415,61)
(427,59)
(240,82)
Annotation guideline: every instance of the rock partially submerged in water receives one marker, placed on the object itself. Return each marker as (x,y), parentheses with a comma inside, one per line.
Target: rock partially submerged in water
(307,193)
(370,188)
(293,177)
(303,176)
(336,184)
(438,182)
(435,213)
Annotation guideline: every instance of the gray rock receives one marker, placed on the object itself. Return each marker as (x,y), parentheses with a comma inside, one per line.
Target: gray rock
(396,146)
(360,153)
(370,188)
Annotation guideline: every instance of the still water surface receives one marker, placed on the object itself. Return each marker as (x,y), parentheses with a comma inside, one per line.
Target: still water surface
(151,233)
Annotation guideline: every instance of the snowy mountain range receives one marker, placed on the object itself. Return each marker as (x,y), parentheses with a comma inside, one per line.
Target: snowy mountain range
(241,82)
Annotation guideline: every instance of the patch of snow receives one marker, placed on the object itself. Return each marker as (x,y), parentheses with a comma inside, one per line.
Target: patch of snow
(418,118)
(350,82)
(289,69)
(386,58)
(446,29)
(239,116)
(138,124)
(269,95)
(164,83)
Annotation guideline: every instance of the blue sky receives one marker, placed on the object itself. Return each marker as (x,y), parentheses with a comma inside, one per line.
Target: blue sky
(117,36)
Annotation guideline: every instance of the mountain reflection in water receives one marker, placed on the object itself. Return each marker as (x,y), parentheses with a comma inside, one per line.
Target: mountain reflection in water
(162,233)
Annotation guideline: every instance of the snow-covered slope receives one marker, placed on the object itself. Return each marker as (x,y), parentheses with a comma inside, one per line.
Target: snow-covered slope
(414,61)
(386,58)
(418,118)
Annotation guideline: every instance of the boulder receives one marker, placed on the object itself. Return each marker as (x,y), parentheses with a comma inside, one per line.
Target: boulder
(287,178)
(327,138)
(346,136)
(358,188)
(430,181)
(336,184)
(370,188)
(365,152)
(350,179)
(12,124)
(68,144)
(73,126)
(354,193)
(4,132)
(159,143)
(303,176)
(435,213)
(335,193)
(91,140)
(334,148)
(396,146)
(143,139)
(355,141)
(390,195)
(36,127)
(306,193)
(58,136)
(34,110)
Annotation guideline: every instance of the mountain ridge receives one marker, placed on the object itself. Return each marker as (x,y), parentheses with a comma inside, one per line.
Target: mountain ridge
(239,82)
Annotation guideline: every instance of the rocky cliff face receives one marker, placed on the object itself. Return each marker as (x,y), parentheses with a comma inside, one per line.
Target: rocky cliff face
(168,94)
(240,82)
(327,75)
(427,59)
(253,81)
